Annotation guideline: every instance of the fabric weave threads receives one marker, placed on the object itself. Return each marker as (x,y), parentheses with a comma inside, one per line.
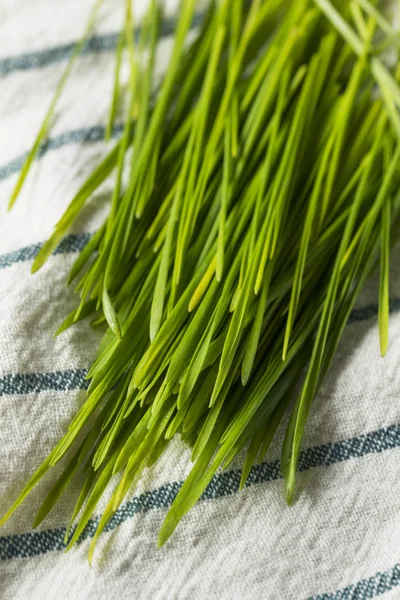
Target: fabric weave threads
(34,383)
(96,43)
(74,242)
(222,485)
(75,136)
(372,587)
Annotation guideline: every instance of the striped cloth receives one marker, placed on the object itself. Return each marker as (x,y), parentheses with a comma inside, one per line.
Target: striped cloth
(341,539)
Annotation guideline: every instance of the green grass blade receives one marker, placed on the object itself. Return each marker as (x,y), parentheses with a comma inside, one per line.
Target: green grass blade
(49,115)
(116,87)
(111,315)
(383,314)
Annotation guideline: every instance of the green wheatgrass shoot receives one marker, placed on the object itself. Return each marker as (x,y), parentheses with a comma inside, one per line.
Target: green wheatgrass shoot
(262,192)
(44,129)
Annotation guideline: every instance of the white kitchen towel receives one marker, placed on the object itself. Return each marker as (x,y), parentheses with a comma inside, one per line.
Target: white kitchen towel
(341,539)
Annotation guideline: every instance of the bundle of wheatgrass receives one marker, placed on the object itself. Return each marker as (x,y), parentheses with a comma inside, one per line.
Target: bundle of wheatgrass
(262,191)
